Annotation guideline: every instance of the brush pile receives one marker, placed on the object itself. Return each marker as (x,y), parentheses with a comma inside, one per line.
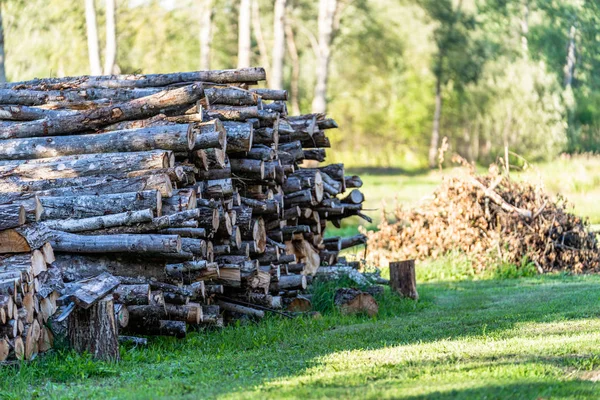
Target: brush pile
(158,203)
(492,219)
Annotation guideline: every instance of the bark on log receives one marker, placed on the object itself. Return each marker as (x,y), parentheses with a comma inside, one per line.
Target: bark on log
(241,75)
(12,189)
(94,330)
(173,137)
(86,165)
(86,120)
(132,294)
(11,216)
(94,289)
(123,243)
(402,278)
(239,136)
(93,206)
(101,222)
(211,134)
(24,238)
(236,308)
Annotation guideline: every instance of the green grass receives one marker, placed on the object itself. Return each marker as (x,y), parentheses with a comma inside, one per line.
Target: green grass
(465,338)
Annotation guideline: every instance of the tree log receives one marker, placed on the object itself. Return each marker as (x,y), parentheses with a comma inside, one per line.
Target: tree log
(101,222)
(402,278)
(92,206)
(239,136)
(94,330)
(95,118)
(11,216)
(86,165)
(172,137)
(120,243)
(353,301)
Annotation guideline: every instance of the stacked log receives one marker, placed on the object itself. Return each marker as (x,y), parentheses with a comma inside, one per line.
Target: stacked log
(169,199)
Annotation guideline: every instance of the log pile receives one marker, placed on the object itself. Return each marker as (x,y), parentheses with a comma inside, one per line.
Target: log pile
(170,201)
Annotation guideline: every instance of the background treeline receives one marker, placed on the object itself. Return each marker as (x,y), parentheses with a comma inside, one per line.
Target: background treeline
(402,74)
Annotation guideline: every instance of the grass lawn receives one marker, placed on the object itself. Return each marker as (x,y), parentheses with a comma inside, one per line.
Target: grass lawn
(517,338)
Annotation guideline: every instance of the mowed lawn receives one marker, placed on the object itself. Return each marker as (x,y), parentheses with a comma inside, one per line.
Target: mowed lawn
(523,338)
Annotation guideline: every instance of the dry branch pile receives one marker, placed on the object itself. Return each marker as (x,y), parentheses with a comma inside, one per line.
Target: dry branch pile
(491,218)
(157,202)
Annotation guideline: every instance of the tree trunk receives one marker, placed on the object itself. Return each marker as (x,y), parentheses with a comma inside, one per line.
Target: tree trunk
(92,38)
(571,58)
(402,278)
(525,29)
(276,81)
(110,55)
(435,132)
(295,78)
(244,45)
(2,53)
(327,10)
(206,13)
(258,34)
(239,136)
(95,330)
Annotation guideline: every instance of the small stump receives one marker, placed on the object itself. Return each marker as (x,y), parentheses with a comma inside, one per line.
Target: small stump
(402,278)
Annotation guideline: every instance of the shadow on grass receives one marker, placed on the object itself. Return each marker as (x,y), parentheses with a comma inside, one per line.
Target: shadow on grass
(239,358)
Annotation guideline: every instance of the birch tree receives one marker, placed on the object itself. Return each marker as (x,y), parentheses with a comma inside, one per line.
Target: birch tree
(244,39)
(92,38)
(327,11)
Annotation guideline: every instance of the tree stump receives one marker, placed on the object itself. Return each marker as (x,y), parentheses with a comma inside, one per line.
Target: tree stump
(354,301)
(95,330)
(402,278)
